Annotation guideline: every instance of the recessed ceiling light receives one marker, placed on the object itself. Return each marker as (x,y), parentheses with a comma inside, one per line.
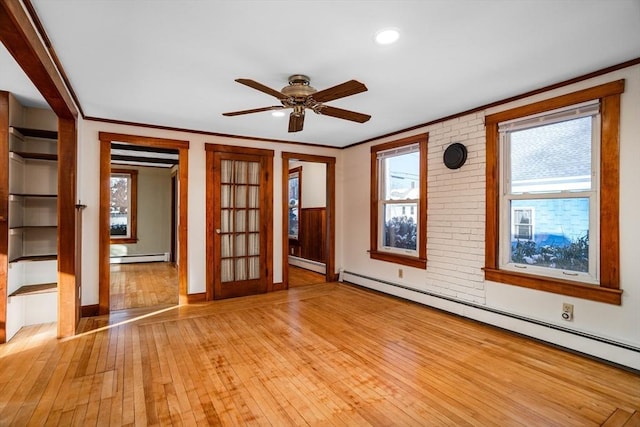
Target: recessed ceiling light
(387,36)
(277,113)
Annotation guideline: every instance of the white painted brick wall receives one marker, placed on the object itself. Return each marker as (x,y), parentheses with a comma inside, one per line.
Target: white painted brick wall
(456,211)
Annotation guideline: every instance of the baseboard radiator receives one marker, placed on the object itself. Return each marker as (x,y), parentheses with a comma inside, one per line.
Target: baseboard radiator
(126,259)
(610,350)
(309,264)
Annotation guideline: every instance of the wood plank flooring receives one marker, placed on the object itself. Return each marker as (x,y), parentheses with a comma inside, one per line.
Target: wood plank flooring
(329,354)
(301,277)
(144,284)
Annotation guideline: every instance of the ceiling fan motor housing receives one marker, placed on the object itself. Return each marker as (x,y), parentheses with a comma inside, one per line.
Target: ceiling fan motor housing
(298,88)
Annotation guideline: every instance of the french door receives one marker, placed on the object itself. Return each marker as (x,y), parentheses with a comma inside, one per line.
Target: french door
(239,221)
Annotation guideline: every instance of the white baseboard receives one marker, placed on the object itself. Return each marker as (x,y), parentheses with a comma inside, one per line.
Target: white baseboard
(308,264)
(591,345)
(126,259)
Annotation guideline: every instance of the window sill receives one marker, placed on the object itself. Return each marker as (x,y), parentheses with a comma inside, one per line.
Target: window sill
(399,259)
(123,241)
(557,286)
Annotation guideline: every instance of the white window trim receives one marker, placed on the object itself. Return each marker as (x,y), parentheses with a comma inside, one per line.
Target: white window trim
(383,176)
(532,215)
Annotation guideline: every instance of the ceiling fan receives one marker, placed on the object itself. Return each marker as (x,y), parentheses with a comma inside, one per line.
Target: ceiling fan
(300,96)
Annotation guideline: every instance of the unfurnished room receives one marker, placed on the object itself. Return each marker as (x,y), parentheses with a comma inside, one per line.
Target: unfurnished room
(317,212)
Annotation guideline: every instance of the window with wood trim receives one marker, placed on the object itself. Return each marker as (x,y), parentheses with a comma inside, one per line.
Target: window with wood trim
(123,206)
(399,201)
(558,158)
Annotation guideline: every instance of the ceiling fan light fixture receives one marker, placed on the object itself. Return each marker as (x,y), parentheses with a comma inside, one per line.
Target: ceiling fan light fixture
(387,36)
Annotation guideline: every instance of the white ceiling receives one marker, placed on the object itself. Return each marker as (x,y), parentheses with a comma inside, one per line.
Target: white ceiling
(173,63)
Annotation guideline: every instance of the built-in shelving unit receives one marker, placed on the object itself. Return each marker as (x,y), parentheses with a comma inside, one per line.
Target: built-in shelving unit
(32,227)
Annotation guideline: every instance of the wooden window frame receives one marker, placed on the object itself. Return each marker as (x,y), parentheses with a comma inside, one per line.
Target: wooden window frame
(412,261)
(608,290)
(133,215)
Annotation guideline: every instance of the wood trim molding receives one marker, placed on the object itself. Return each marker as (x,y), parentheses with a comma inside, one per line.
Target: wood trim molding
(196,298)
(148,141)
(104,275)
(331,275)
(21,39)
(90,310)
(68,292)
(221,148)
(609,289)
(106,138)
(421,260)
(610,200)
(544,89)
(4,211)
(558,286)
(596,92)
(215,134)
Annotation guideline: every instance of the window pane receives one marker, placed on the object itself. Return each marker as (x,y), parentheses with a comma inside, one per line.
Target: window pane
(551,233)
(119,209)
(552,157)
(399,231)
(400,177)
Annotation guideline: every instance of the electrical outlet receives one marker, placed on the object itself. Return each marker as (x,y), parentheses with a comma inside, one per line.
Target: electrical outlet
(567,311)
(400,273)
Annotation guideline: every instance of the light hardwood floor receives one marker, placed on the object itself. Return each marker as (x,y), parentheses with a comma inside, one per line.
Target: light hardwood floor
(144,284)
(302,277)
(329,354)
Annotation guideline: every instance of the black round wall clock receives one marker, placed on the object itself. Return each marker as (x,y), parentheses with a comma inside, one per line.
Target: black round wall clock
(455,155)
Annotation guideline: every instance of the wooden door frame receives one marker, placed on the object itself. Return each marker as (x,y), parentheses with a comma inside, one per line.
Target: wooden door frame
(330,251)
(106,138)
(22,36)
(267,212)
(174,205)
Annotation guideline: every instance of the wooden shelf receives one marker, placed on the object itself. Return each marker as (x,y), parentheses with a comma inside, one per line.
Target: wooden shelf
(36,156)
(34,133)
(35,289)
(34,227)
(33,196)
(33,258)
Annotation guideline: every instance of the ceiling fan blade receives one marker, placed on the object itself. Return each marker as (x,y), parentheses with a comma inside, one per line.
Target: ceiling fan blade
(255,110)
(296,121)
(343,114)
(339,91)
(262,88)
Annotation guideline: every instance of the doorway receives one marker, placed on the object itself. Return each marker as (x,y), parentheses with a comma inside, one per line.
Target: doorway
(315,225)
(239,205)
(129,232)
(141,271)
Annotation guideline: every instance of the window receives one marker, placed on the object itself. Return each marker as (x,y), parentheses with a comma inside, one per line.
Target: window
(398,182)
(522,223)
(123,205)
(295,184)
(551,163)
(552,195)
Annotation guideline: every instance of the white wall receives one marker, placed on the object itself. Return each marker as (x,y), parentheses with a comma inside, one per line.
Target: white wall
(88,194)
(456,238)
(314,184)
